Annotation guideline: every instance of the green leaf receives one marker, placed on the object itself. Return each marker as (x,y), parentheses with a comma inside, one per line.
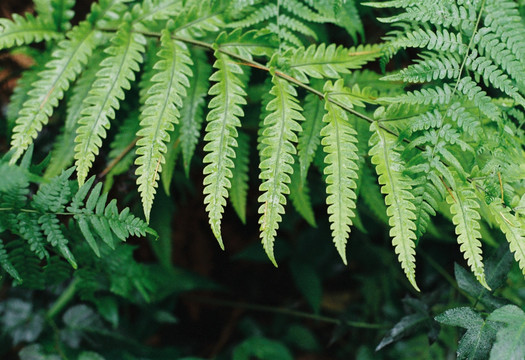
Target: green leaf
(510,339)
(300,195)
(26,30)
(65,65)
(160,113)
(221,133)
(116,73)
(339,144)
(280,128)
(479,337)
(464,207)
(397,187)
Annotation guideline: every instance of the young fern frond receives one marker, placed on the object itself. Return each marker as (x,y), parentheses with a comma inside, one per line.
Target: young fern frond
(339,143)
(280,132)
(397,187)
(67,62)
(116,73)
(160,113)
(239,182)
(464,208)
(57,12)
(26,30)
(221,133)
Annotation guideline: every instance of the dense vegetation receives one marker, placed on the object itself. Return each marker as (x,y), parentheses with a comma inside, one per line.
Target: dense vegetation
(319,122)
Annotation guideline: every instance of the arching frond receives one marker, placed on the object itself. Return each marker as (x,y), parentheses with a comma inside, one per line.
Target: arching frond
(221,133)
(239,182)
(464,208)
(26,30)
(339,144)
(117,70)
(67,61)
(397,187)
(280,132)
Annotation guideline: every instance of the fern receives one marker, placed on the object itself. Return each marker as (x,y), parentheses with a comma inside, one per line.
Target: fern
(464,207)
(67,63)
(281,125)
(117,70)
(160,112)
(221,133)
(26,30)
(398,200)
(339,143)
(300,195)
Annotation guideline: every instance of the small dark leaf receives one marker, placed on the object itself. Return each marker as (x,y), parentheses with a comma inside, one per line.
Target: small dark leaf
(480,334)
(20,322)
(468,283)
(308,282)
(408,325)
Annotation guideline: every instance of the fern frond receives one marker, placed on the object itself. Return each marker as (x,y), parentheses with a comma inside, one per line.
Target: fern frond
(117,70)
(26,30)
(63,153)
(29,229)
(339,144)
(191,113)
(95,218)
(513,230)
(397,187)
(464,208)
(160,113)
(221,133)
(280,128)
(248,43)
(328,61)
(239,182)
(67,61)
(439,40)
(310,137)
(302,11)
(430,67)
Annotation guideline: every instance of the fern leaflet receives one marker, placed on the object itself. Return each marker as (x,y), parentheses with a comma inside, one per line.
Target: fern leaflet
(280,128)
(117,70)
(160,113)
(397,187)
(463,206)
(221,133)
(339,143)
(25,30)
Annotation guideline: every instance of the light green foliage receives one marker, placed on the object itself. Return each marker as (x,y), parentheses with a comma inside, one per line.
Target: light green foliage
(510,339)
(339,144)
(464,207)
(67,61)
(397,188)
(280,132)
(117,70)
(459,125)
(161,111)
(221,133)
(25,30)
